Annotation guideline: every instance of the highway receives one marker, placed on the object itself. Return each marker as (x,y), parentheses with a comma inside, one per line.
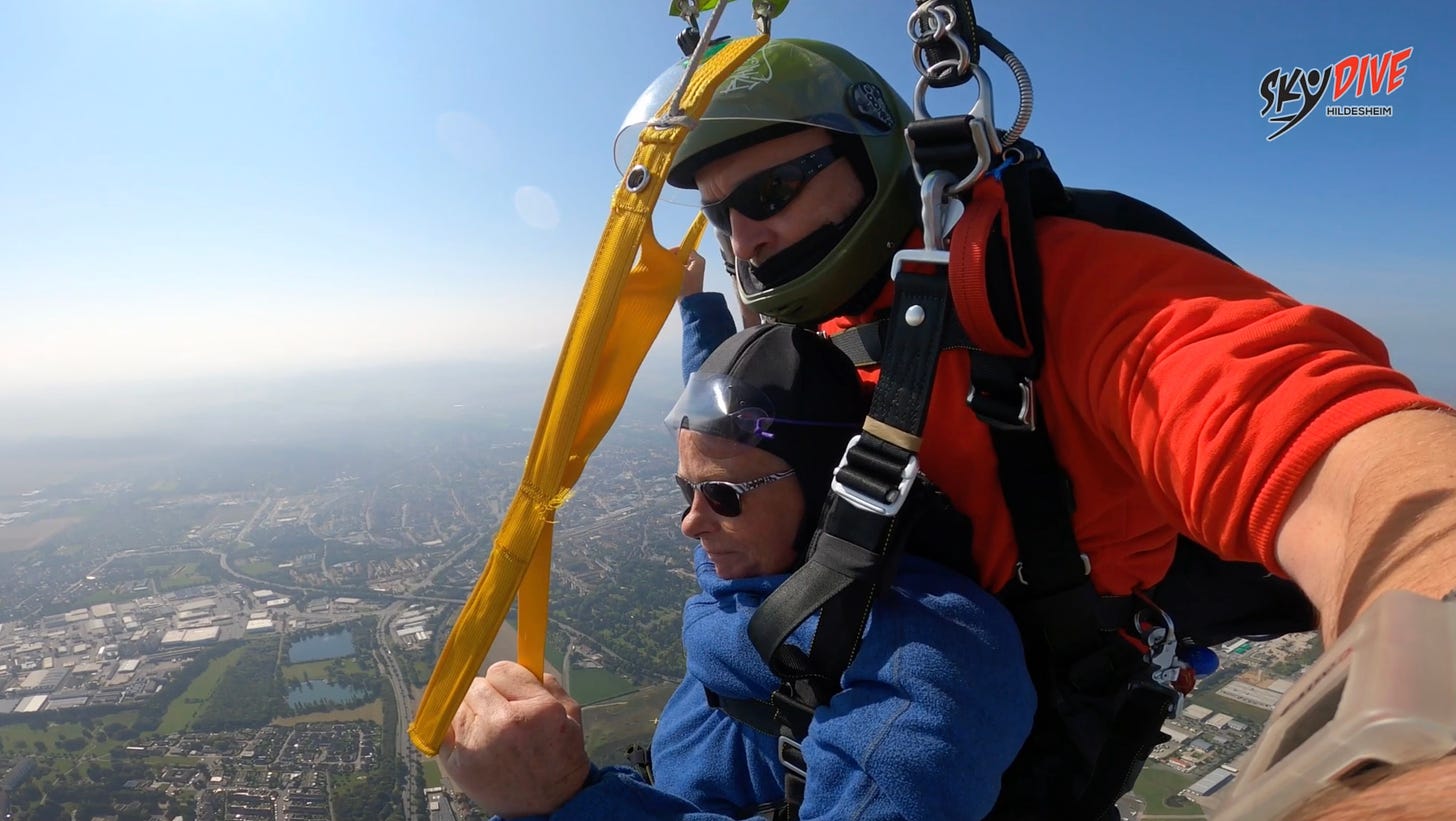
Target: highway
(404,710)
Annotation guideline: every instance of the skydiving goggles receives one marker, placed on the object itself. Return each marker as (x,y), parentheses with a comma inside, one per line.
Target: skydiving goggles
(726,498)
(771,190)
(1382,695)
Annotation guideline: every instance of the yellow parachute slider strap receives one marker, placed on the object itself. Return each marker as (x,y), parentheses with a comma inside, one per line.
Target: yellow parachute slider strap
(616,320)
(661,271)
(690,240)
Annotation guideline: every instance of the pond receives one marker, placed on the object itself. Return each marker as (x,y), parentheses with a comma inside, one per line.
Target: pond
(320,694)
(318,648)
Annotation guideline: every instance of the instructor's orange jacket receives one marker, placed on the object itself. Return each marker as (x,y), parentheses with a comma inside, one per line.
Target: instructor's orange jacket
(1180,393)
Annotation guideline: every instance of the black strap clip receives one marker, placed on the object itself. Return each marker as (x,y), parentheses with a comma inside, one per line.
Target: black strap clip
(872,482)
(1007,409)
(1002,393)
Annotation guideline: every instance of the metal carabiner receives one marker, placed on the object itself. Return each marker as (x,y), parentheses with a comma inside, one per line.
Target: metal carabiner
(980,122)
(1162,642)
(935,209)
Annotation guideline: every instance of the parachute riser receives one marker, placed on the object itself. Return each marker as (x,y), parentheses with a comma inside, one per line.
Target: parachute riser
(674,115)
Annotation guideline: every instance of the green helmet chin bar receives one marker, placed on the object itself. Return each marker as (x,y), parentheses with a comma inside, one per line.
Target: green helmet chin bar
(792,82)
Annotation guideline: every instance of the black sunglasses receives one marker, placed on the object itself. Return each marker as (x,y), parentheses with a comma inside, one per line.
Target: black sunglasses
(726,498)
(770,190)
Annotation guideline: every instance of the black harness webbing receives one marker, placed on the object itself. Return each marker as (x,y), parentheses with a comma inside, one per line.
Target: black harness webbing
(854,553)
(845,562)
(1094,687)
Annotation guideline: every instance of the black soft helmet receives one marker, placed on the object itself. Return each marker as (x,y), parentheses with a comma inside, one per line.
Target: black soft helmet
(782,389)
(788,85)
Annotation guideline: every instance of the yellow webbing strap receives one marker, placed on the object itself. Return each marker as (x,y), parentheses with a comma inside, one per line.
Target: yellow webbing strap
(617,318)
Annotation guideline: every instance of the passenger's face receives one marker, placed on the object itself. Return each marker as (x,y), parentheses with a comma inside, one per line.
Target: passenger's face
(828,198)
(759,541)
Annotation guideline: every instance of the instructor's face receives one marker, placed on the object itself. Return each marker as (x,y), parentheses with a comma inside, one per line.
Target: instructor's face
(828,198)
(759,541)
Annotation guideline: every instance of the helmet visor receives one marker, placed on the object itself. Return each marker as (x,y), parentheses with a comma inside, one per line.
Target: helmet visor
(734,413)
(781,83)
(723,407)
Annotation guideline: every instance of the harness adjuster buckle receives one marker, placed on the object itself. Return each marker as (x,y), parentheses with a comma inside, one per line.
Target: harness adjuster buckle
(882,507)
(1021,568)
(789,747)
(1022,416)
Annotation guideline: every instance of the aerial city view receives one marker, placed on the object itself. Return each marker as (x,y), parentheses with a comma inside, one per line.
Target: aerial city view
(239,633)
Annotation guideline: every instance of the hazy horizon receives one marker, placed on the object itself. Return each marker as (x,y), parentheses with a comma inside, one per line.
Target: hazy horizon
(209,196)
(504,391)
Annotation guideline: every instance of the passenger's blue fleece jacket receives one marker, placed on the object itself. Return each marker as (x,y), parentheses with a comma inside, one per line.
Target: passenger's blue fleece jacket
(706,323)
(934,707)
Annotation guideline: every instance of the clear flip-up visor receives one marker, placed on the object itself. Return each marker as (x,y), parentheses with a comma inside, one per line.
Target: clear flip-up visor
(723,407)
(780,83)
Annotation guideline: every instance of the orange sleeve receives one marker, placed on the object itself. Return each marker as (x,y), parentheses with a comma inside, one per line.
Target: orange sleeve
(1220,390)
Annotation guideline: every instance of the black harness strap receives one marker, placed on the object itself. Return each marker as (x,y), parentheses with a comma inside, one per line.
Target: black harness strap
(854,553)
(863,344)
(928,525)
(846,560)
(912,351)
(1081,669)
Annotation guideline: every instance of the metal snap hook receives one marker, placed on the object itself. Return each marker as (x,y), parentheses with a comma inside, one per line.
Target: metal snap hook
(932,202)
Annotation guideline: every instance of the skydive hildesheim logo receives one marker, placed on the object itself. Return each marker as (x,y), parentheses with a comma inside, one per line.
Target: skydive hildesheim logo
(1375,73)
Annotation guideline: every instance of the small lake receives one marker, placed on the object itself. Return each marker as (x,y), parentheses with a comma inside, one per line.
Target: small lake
(320,694)
(318,648)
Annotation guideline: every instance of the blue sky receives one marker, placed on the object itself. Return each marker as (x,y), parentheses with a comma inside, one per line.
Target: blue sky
(259,186)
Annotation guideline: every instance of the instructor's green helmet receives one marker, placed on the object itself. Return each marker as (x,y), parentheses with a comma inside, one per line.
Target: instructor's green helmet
(787,85)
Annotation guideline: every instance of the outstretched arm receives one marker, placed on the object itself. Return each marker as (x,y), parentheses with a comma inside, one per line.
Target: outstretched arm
(1376,513)
(1272,431)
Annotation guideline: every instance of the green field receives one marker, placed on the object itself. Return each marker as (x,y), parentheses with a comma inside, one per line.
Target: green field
(1246,713)
(23,737)
(590,685)
(181,576)
(105,597)
(318,670)
(255,568)
(171,761)
(432,773)
(1157,783)
(373,711)
(422,668)
(612,726)
(185,708)
(169,575)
